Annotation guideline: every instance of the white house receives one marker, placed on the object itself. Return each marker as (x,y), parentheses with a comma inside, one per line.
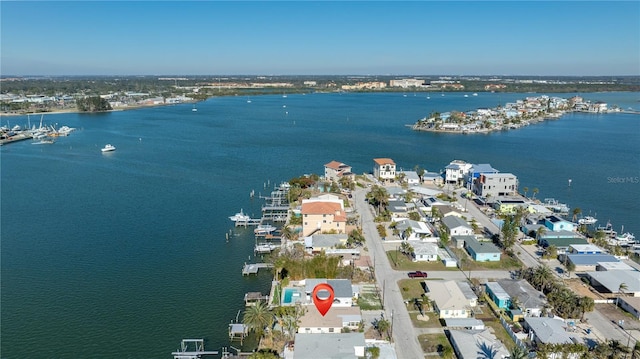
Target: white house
(384,168)
(424,251)
(448,299)
(312,322)
(419,230)
(335,170)
(456,226)
(411,177)
(342,290)
(333,345)
(456,171)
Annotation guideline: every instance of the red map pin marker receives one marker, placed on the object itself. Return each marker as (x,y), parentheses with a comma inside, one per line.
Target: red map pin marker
(323,305)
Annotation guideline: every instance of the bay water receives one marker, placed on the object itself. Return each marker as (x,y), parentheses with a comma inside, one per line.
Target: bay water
(124,254)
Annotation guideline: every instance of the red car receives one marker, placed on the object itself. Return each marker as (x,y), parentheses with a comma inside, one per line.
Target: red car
(418,274)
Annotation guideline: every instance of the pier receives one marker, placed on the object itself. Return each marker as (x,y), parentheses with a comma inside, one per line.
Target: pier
(192,349)
(254,268)
(252,298)
(248,222)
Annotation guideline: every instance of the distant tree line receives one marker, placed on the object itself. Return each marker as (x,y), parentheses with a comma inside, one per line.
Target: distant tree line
(93,104)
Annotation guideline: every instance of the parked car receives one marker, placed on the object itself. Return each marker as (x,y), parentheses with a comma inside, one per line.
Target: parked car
(418,274)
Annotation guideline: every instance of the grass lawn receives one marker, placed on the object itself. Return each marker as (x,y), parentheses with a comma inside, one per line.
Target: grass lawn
(411,288)
(500,333)
(369,301)
(432,343)
(399,261)
(433,321)
(505,263)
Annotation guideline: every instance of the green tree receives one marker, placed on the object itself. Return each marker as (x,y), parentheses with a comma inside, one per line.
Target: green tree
(525,189)
(265,354)
(518,353)
(383,326)
(258,317)
(535,191)
(374,352)
(621,289)
(378,197)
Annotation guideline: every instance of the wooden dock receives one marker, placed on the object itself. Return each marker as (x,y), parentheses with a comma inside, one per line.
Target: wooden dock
(253,268)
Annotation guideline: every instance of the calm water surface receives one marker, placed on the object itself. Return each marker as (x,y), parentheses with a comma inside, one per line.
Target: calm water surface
(124,254)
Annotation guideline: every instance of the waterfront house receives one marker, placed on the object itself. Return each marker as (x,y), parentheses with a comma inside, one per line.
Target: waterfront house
(456,171)
(321,242)
(323,214)
(331,345)
(424,252)
(496,185)
(508,205)
(470,344)
(343,291)
(555,223)
(410,177)
(384,169)
(312,322)
(456,226)
(432,178)
(476,170)
(482,251)
(335,170)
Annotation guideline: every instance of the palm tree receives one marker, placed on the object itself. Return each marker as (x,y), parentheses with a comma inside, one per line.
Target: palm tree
(541,231)
(535,191)
(576,211)
(289,234)
(621,288)
(257,317)
(586,304)
(525,190)
(518,353)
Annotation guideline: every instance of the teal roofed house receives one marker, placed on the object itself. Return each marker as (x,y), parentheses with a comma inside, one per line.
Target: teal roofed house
(498,295)
(482,251)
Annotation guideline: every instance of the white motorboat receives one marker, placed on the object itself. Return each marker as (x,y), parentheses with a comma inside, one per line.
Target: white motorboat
(587,220)
(627,238)
(239,217)
(264,229)
(108,148)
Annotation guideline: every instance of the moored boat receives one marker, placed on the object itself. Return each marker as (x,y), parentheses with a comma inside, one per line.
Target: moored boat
(239,217)
(264,229)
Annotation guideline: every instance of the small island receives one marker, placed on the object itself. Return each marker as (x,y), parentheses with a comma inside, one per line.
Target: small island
(510,116)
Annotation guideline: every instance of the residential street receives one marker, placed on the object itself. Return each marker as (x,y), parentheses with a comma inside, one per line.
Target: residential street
(404,335)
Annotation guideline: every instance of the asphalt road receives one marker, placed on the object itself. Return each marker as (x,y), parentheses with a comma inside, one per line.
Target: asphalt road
(403,334)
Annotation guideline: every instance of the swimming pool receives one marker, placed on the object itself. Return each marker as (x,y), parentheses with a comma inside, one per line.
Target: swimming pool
(290,295)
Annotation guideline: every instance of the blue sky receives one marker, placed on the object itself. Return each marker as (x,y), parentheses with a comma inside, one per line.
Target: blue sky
(320,38)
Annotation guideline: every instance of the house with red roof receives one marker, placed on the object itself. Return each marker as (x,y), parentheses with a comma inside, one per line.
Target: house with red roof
(324,214)
(384,168)
(335,170)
